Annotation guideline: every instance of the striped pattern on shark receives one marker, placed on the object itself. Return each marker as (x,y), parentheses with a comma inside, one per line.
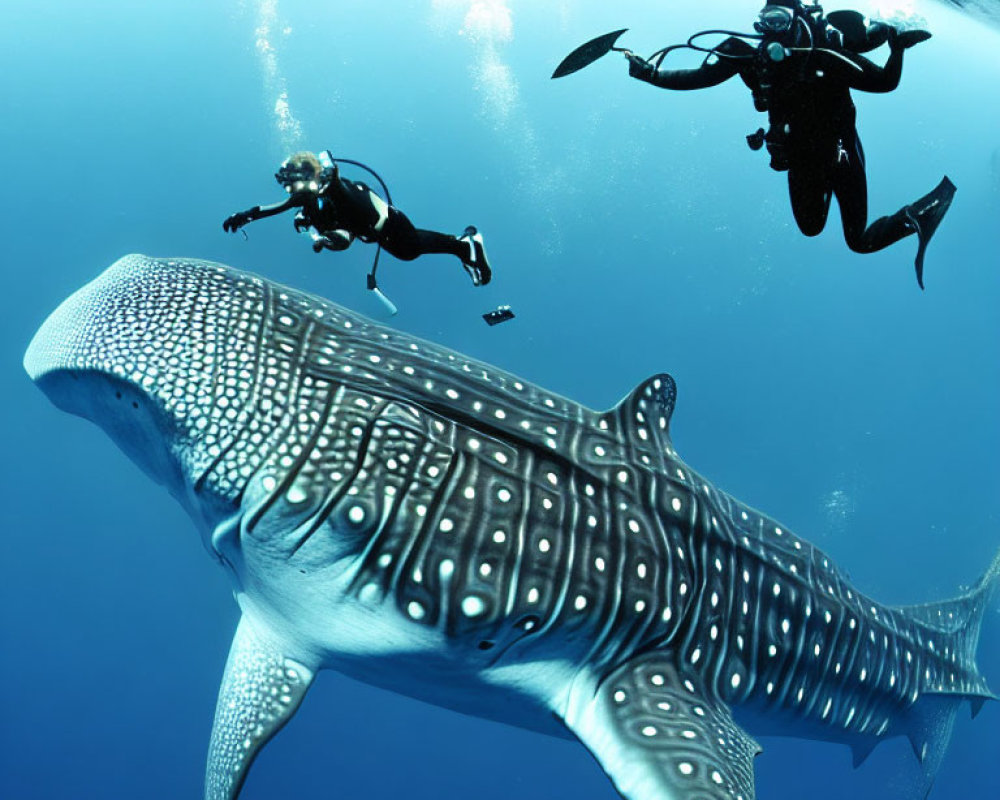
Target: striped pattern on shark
(425,522)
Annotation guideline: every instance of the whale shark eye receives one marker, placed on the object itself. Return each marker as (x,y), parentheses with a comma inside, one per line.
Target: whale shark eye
(486,645)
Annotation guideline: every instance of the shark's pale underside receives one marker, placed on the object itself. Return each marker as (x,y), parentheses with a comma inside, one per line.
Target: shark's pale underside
(418,520)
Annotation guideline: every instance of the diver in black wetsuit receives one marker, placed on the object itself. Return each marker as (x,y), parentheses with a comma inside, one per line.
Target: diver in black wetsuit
(338,211)
(801,74)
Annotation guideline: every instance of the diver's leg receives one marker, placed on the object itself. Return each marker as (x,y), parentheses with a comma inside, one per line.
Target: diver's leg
(400,238)
(850,185)
(435,242)
(809,191)
(921,217)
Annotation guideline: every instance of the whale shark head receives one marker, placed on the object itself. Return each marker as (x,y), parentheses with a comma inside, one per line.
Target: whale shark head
(161,358)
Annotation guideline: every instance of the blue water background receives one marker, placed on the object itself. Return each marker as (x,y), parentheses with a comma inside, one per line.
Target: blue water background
(633,232)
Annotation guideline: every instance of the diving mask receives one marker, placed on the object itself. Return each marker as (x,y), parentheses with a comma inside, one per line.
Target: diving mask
(774,20)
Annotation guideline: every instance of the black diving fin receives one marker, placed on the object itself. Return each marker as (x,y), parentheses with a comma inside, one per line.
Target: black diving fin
(586,54)
(925,215)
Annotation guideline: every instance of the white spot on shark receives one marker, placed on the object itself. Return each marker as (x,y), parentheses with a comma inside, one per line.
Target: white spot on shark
(415,610)
(473,606)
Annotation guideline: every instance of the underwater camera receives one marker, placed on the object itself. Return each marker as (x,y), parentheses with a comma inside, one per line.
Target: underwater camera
(498,315)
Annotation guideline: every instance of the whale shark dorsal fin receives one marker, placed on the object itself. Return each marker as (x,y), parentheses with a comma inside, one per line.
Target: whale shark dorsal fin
(261,690)
(642,417)
(660,736)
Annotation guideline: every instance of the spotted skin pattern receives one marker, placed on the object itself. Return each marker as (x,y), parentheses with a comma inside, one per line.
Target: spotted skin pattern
(383,499)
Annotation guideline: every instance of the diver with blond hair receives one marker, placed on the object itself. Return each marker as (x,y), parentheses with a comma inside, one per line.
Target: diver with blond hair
(336,211)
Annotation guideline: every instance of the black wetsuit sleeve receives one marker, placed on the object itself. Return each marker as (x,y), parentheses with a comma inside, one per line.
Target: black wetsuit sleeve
(300,199)
(720,66)
(701,78)
(857,72)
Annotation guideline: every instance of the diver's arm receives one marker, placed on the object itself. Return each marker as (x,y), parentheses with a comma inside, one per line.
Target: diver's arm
(339,239)
(708,74)
(721,65)
(701,78)
(236,221)
(886,79)
(297,200)
(859,73)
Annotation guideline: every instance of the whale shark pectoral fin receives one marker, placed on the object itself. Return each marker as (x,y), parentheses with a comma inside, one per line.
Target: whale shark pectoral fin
(662,737)
(861,750)
(976,705)
(261,690)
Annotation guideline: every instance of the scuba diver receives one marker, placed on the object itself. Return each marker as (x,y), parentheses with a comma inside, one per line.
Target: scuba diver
(801,74)
(337,211)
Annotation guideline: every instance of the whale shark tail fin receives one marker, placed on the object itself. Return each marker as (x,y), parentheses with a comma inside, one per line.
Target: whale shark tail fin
(990,582)
(950,676)
(951,630)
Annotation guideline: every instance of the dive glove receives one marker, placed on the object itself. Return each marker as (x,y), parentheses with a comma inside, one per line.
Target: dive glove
(640,68)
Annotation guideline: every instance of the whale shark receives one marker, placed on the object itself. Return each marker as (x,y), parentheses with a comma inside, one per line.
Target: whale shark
(425,522)
(983,11)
